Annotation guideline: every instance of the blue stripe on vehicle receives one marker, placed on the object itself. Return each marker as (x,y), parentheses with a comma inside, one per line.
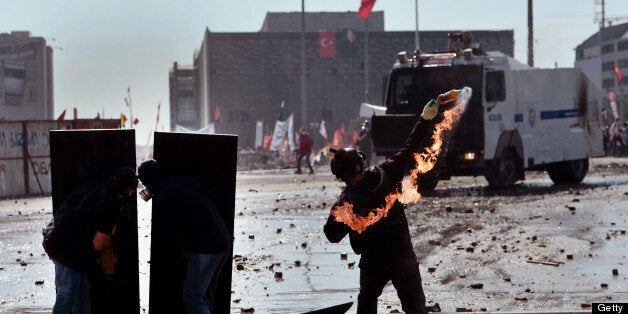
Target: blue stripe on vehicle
(518,117)
(559,114)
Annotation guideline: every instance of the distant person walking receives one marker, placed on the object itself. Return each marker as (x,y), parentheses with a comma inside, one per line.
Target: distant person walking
(304,148)
(616,137)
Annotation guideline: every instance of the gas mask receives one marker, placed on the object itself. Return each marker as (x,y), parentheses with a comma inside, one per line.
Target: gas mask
(146,195)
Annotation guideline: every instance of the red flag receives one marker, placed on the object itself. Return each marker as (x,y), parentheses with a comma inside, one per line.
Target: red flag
(365,8)
(618,74)
(217,113)
(327,44)
(75,113)
(136,121)
(62,116)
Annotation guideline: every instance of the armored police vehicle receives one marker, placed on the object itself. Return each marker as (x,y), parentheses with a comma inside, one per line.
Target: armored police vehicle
(518,118)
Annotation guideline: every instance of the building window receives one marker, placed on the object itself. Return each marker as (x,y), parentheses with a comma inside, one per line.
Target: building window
(185,110)
(607,66)
(495,86)
(622,63)
(608,48)
(608,82)
(622,45)
(185,83)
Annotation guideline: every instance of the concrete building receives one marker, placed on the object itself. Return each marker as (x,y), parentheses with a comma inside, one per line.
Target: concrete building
(183,103)
(248,75)
(600,54)
(26,81)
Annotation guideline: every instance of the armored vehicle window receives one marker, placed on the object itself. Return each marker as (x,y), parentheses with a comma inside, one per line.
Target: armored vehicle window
(495,89)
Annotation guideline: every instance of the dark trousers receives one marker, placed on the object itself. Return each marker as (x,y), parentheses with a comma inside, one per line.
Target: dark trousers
(307,161)
(406,279)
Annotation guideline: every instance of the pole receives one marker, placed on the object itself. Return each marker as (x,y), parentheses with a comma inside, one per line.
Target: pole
(303,89)
(530,36)
(366,60)
(128,91)
(416,25)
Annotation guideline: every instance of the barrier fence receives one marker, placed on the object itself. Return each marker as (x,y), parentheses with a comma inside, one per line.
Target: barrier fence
(25,153)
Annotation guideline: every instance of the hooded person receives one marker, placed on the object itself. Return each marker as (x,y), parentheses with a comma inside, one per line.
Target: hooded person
(80,227)
(186,216)
(385,246)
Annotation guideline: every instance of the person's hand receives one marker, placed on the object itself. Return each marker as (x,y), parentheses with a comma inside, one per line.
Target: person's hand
(430,110)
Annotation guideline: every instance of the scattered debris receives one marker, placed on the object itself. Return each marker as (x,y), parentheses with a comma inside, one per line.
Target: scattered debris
(477,286)
(39,282)
(545,263)
(615,272)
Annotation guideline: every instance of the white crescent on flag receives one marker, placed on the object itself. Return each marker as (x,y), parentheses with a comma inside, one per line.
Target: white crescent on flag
(325,42)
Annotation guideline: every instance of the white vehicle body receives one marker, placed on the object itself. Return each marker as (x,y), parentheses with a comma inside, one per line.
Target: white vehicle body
(518,118)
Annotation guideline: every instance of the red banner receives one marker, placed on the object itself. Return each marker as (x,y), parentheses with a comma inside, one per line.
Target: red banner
(327,44)
(620,78)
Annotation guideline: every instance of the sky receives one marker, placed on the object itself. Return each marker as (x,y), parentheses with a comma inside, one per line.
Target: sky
(102,47)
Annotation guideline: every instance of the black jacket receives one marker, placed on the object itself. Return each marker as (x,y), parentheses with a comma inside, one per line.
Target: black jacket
(389,238)
(68,237)
(189,216)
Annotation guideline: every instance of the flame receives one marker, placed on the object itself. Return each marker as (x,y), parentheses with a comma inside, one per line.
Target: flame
(425,162)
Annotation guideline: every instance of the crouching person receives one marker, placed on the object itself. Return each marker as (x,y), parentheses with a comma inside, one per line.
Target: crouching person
(196,230)
(81,226)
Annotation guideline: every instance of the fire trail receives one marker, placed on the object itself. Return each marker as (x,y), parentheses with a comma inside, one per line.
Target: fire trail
(425,161)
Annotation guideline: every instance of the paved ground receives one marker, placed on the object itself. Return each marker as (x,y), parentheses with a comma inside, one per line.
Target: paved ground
(479,249)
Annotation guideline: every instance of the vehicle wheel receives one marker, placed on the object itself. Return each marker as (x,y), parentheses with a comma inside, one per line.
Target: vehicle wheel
(428,181)
(569,172)
(505,170)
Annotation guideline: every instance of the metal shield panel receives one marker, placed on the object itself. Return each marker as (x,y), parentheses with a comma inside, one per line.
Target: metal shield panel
(79,156)
(212,159)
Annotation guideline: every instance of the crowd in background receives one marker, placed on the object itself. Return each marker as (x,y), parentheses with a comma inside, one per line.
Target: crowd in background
(616,138)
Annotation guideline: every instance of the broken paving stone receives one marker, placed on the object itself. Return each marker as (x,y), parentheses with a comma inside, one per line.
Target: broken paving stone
(477,286)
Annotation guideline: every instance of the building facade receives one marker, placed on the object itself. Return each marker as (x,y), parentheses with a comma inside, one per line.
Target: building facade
(183,102)
(604,58)
(26,80)
(247,76)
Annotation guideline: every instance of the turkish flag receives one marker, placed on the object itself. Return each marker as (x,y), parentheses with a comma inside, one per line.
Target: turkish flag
(365,8)
(327,44)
